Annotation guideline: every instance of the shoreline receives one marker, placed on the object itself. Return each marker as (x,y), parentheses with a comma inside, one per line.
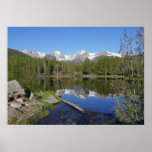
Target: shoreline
(32,111)
(95,76)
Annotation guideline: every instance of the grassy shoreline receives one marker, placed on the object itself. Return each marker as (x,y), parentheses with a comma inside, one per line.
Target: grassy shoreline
(96,76)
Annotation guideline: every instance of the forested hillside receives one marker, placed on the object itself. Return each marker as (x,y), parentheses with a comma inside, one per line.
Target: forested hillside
(21,65)
(14,53)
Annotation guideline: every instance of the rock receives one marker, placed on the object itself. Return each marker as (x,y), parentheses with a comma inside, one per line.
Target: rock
(17,94)
(28,104)
(31,96)
(19,100)
(51,100)
(14,86)
(69,120)
(9,96)
(40,103)
(10,99)
(15,104)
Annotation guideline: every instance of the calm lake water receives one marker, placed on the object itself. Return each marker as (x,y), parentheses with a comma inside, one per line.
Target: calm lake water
(96,96)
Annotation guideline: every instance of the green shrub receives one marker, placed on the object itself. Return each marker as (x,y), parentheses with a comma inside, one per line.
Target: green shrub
(42,95)
(129,111)
(23,122)
(47,106)
(34,119)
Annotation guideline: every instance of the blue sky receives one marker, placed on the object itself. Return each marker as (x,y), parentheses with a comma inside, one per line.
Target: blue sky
(68,40)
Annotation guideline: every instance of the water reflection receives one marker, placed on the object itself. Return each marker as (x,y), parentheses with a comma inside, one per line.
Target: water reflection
(80,93)
(104,87)
(104,105)
(97,96)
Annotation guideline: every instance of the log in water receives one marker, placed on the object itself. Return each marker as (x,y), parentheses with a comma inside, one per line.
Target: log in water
(74,106)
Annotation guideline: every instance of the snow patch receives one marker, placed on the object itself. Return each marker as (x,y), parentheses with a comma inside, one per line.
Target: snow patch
(92,56)
(42,55)
(82,52)
(114,54)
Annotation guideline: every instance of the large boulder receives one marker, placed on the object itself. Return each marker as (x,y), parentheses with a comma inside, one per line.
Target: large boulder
(15,92)
(14,86)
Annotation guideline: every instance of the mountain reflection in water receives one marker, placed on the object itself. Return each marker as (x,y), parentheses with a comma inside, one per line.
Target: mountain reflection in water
(80,93)
(97,96)
(99,108)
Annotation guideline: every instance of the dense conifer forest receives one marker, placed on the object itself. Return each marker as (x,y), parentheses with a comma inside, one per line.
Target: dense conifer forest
(21,65)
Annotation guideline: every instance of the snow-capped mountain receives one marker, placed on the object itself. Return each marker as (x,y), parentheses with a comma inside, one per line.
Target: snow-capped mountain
(34,54)
(57,54)
(80,56)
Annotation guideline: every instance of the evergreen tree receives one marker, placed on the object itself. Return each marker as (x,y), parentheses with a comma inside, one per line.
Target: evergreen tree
(86,67)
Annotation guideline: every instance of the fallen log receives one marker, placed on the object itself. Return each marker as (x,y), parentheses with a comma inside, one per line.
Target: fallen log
(74,106)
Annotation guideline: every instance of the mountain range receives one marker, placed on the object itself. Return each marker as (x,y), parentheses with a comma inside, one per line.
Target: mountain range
(80,56)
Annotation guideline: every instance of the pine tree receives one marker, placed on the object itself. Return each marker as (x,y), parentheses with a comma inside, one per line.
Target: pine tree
(86,66)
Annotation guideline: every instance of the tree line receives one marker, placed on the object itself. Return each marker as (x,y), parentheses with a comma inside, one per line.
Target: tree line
(26,66)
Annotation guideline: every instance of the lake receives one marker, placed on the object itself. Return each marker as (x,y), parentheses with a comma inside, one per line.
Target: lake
(98,97)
